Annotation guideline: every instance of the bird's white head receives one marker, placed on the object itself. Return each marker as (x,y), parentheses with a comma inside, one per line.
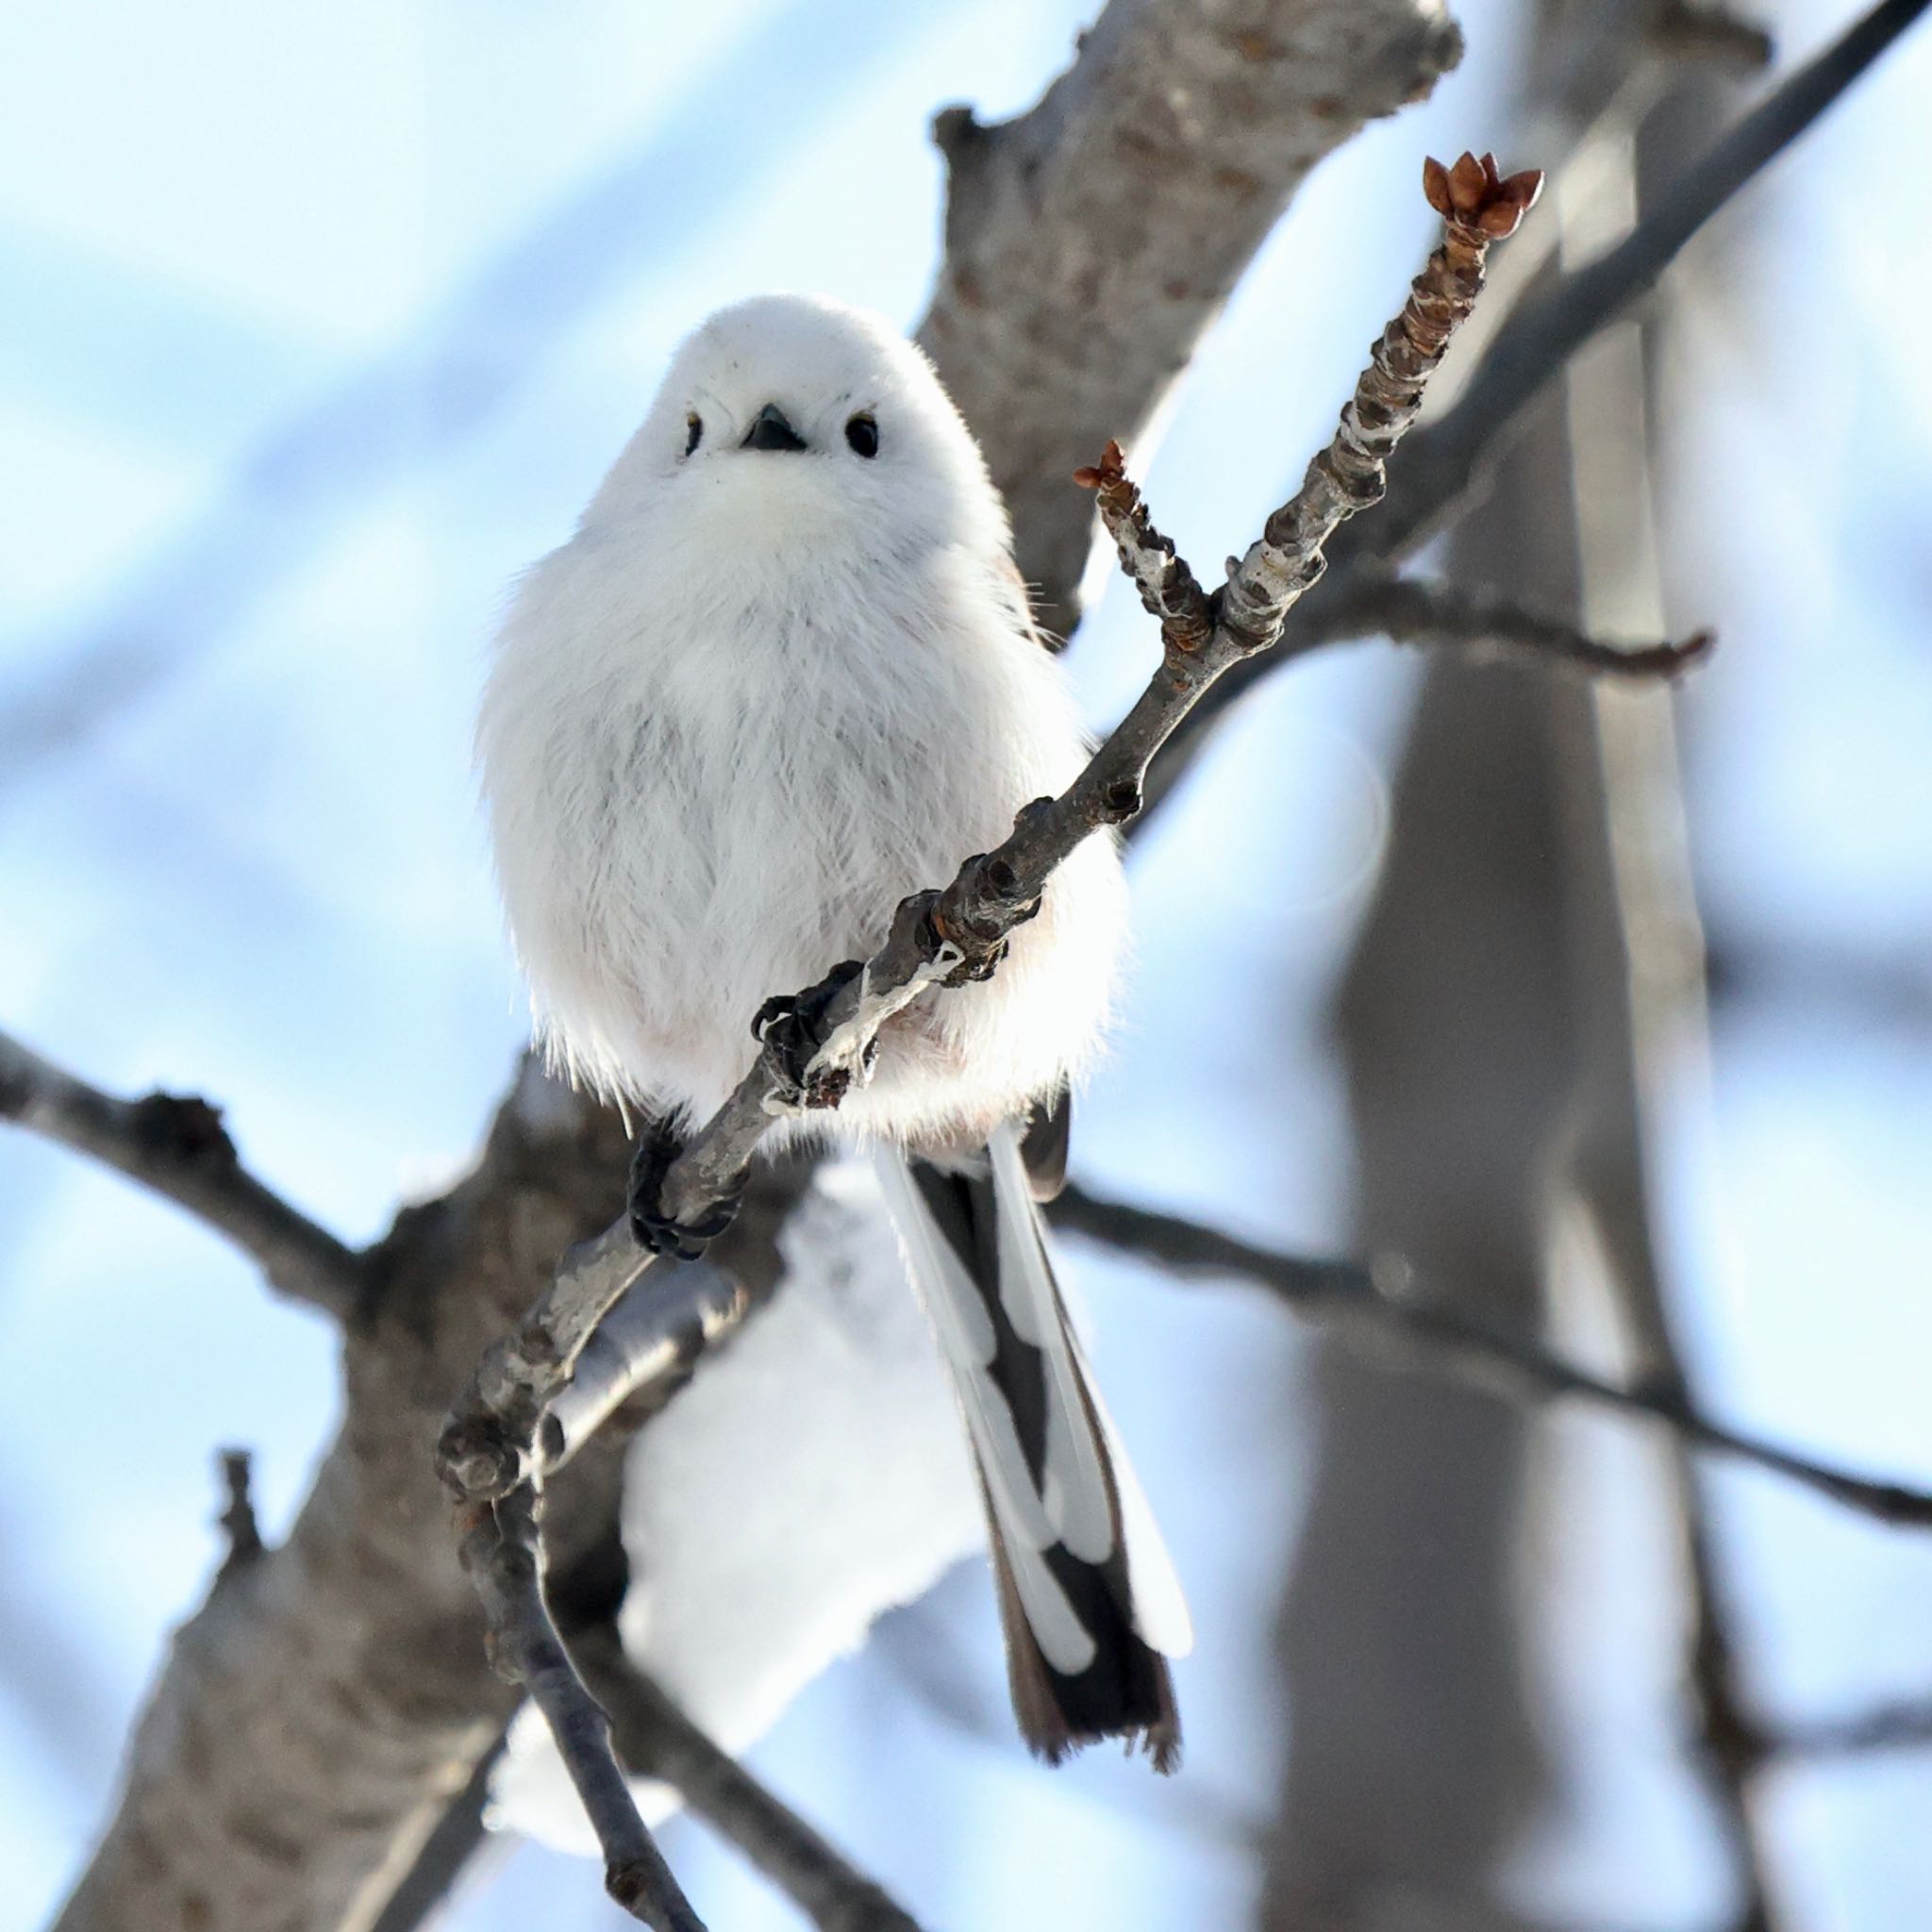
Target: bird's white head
(789,420)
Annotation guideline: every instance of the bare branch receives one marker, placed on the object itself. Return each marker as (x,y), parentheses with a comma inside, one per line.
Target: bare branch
(502,1553)
(656,1739)
(1091,241)
(1168,590)
(1902,1724)
(1444,459)
(488,1451)
(1374,1303)
(177,1146)
(1440,615)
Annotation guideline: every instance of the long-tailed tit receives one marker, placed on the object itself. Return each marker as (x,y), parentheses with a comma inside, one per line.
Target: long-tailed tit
(784,675)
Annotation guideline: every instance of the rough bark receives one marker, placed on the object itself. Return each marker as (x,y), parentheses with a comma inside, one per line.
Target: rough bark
(319,1712)
(1091,241)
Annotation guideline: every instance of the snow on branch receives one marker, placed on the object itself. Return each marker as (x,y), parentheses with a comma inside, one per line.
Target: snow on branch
(176,1146)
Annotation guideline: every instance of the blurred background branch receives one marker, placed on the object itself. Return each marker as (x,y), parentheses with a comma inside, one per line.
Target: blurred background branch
(177,1146)
(322,328)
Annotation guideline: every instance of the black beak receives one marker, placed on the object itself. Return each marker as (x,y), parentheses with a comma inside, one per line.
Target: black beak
(769,430)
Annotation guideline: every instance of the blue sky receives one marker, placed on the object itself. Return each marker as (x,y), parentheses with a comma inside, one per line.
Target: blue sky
(317,324)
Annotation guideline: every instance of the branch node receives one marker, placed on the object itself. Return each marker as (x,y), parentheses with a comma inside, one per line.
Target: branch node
(477,1458)
(955,130)
(1168,590)
(184,1127)
(238,1518)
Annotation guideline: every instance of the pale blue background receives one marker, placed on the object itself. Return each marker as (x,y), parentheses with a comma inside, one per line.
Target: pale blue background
(317,322)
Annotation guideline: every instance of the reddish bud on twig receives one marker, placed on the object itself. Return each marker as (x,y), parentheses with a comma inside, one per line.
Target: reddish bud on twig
(1476,194)
(1110,471)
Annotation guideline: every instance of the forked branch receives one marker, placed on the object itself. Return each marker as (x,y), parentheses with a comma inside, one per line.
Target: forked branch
(489,1453)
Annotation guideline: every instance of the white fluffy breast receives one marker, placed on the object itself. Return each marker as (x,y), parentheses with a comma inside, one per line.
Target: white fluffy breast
(726,732)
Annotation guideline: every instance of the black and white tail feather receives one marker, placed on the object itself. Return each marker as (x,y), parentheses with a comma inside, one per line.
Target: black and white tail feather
(1088,1599)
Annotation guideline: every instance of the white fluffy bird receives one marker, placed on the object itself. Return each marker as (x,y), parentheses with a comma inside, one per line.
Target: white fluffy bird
(784,675)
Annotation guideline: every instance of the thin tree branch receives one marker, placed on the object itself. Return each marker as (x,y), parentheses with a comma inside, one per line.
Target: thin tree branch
(176,1146)
(1374,1303)
(1444,459)
(503,1551)
(1902,1724)
(489,1452)
(502,1554)
(656,1739)
(1440,615)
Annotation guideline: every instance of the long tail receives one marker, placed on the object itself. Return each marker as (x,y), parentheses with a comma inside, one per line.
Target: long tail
(1088,1596)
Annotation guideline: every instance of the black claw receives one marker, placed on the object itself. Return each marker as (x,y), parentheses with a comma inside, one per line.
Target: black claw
(657,1232)
(795,1023)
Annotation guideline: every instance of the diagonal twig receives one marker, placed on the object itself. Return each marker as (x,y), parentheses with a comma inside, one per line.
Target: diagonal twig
(503,1552)
(656,1739)
(176,1146)
(1436,614)
(1168,590)
(954,934)
(1444,458)
(1372,1302)
(489,1450)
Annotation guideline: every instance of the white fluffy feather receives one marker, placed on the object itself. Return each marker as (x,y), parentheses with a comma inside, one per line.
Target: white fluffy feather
(758,698)
(772,685)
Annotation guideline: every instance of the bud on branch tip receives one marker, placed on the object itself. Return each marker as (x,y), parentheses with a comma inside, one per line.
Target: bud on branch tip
(1111,468)
(1475,194)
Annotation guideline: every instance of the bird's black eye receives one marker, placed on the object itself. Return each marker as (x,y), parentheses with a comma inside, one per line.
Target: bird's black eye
(693,431)
(862,433)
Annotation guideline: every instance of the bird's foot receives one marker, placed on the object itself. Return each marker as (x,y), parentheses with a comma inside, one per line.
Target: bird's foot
(794,1026)
(657,1231)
